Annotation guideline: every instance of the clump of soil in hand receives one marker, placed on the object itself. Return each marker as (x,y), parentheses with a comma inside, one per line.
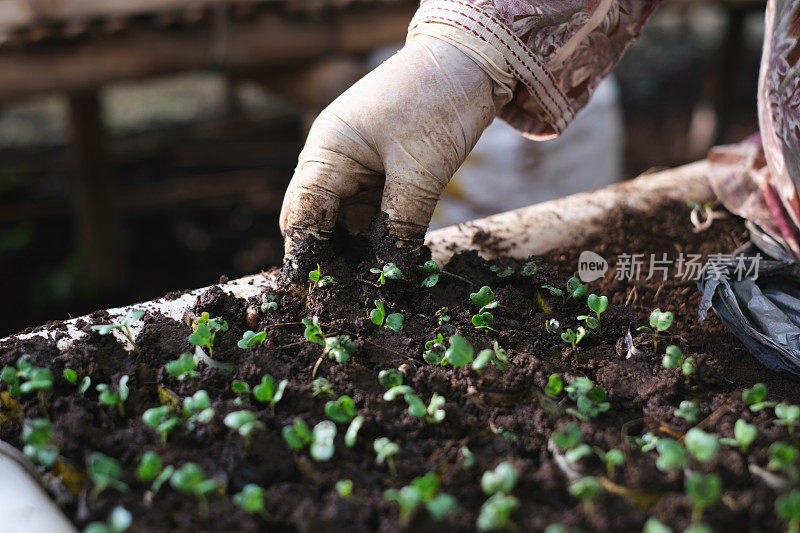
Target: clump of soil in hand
(490,415)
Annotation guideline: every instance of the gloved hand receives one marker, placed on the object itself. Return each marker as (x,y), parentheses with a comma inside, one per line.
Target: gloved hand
(393,141)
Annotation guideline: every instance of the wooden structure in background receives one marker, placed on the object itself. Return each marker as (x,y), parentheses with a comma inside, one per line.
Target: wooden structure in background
(77,46)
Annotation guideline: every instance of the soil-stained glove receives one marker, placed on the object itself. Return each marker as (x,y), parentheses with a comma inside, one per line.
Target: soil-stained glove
(393,141)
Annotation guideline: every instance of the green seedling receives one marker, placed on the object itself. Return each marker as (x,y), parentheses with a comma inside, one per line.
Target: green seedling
(529,269)
(244,422)
(434,413)
(671,455)
(72,377)
(416,407)
(320,440)
(26,378)
(698,528)
(573,338)
(318,280)
(385,450)
(469,458)
(251,500)
(388,271)
(118,521)
(37,436)
(434,351)
(123,327)
(242,391)
(268,392)
(744,435)
(496,355)
(197,409)
(431,271)
(151,469)
(190,479)
(269,302)
(555,384)
(390,378)
(660,321)
(422,490)
(183,367)
(569,441)
(342,410)
(501,271)
(674,358)
(339,348)
(321,386)
(251,338)
(298,435)
(205,331)
(555,291)
(703,446)
(689,411)
(501,479)
(586,489)
(611,458)
(503,432)
(162,419)
(598,305)
(704,491)
(551,325)
(782,458)
(114,398)
(496,512)
(344,488)
(484,299)
(788,415)
(590,399)
(645,443)
(378,317)
(591,322)
(787,507)
(441,315)
(755,397)
(460,352)
(574,289)
(352,431)
(105,472)
(653,525)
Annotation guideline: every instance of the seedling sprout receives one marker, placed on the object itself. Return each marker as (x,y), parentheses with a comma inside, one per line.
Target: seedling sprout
(674,358)
(344,487)
(244,422)
(432,271)
(26,378)
(501,271)
(385,450)
(689,411)
(496,512)
(251,338)
(251,500)
(744,435)
(501,479)
(342,410)
(118,521)
(590,399)
(123,327)
(434,351)
(268,392)
(190,479)
(72,377)
(484,299)
(422,490)
(460,352)
(586,489)
(205,331)
(612,459)
(352,431)
(150,469)
(114,398)
(495,355)
(442,316)
(555,384)
(105,472)
(787,506)
(573,338)
(268,302)
(378,317)
(782,458)
(183,367)
(321,386)
(671,455)
(703,446)
(242,391)
(37,436)
(390,378)
(703,491)
(318,280)
(660,321)
(197,409)
(298,436)
(755,397)
(388,271)
(162,419)
(788,415)
(551,325)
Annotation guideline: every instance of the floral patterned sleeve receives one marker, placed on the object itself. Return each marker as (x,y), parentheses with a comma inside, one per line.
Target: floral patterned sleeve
(559,50)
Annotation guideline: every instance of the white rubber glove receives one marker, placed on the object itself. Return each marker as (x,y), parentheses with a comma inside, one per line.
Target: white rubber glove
(393,141)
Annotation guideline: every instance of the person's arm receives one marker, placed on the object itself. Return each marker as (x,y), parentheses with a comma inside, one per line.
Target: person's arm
(393,140)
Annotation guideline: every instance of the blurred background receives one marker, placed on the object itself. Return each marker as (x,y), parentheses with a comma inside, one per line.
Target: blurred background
(145,145)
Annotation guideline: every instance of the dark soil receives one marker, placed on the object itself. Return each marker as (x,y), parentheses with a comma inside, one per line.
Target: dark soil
(500,416)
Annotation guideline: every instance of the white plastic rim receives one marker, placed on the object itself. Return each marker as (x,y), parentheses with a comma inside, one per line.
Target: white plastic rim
(537,229)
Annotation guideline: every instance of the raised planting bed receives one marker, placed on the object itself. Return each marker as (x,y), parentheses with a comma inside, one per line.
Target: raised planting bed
(503,444)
